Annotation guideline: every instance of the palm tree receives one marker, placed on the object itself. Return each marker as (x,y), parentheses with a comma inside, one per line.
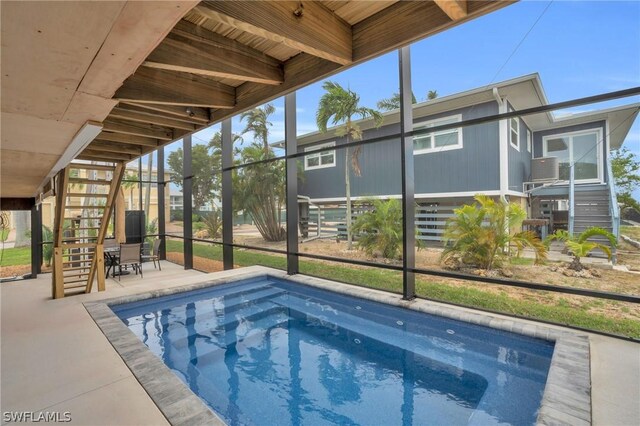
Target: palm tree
(393,102)
(579,246)
(258,123)
(340,105)
(260,188)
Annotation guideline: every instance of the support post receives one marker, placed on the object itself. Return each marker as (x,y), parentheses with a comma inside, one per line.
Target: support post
(291,147)
(187,202)
(161,204)
(227,194)
(572,199)
(408,188)
(36,240)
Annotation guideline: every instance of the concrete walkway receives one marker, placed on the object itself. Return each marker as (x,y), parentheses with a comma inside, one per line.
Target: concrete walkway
(55,358)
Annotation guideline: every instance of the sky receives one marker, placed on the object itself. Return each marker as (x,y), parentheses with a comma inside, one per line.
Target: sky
(579,48)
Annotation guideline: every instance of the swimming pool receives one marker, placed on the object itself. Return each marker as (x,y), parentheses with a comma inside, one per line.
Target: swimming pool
(268,351)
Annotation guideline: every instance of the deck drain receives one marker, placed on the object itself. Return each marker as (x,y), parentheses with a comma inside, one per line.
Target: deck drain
(399,323)
(358,307)
(450,331)
(356,341)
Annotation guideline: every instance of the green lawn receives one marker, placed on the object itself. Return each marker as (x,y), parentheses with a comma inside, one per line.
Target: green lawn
(631,231)
(555,311)
(16,256)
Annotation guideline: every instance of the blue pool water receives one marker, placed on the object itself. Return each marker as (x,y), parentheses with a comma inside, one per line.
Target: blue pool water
(271,352)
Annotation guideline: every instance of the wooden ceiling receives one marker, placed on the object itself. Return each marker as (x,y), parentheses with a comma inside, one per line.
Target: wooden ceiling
(225,57)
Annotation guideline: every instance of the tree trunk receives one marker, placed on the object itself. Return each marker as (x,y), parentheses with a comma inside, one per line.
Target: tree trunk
(347,185)
(576,265)
(22,222)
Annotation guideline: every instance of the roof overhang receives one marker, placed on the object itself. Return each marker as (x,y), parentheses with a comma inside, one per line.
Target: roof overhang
(522,93)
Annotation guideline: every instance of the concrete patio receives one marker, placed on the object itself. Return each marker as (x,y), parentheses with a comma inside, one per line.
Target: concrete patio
(56,359)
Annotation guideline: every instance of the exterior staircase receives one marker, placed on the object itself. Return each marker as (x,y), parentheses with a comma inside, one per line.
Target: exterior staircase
(85,195)
(592,208)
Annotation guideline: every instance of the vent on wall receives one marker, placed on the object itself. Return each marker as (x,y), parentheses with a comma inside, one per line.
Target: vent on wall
(544,169)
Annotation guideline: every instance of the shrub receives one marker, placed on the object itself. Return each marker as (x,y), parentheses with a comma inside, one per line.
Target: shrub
(480,234)
(176,215)
(213,223)
(579,246)
(380,229)
(47,249)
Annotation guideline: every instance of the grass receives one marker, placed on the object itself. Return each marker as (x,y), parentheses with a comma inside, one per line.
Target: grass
(4,234)
(16,256)
(631,231)
(558,311)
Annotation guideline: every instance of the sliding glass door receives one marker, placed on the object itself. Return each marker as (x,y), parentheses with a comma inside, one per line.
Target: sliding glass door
(581,149)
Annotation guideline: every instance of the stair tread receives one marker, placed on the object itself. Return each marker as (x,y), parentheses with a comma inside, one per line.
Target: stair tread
(76,268)
(102,167)
(67,287)
(76,281)
(83,194)
(90,181)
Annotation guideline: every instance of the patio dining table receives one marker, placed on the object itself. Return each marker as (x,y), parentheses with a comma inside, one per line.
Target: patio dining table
(112,260)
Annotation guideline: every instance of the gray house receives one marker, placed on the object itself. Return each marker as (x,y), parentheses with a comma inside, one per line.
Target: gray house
(523,160)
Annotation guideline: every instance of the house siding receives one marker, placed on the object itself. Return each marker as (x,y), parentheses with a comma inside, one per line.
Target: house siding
(520,161)
(537,140)
(474,167)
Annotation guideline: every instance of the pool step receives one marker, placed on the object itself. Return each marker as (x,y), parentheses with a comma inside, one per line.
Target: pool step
(212,351)
(179,301)
(218,332)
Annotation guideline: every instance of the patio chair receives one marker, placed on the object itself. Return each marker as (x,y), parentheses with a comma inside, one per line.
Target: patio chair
(130,255)
(155,254)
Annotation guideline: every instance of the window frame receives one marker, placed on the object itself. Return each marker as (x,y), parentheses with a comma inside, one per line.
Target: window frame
(517,131)
(431,136)
(319,156)
(570,136)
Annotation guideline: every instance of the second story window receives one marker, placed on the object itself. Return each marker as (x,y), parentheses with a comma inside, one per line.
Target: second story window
(514,131)
(528,140)
(438,141)
(320,160)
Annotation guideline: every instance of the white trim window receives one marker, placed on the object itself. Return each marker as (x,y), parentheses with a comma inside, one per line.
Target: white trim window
(528,140)
(320,160)
(444,140)
(582,149)
(514,131)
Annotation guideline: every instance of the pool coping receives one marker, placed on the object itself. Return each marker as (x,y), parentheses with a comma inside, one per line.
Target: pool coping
(566,398)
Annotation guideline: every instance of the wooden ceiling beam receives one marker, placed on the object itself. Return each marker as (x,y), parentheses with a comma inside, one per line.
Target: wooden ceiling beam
(408,21)
(138,129)
(307,26)
(138,117)
(398,25)
(115,147)
(455,9)
(127,139)
(155,86)
(299,71)
(193,49)
(190,114)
